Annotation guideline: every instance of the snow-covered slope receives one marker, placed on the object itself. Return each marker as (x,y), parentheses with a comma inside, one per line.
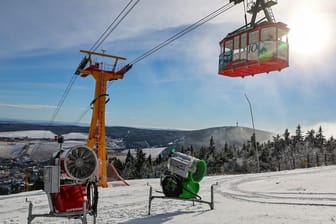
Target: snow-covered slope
(37,134)
(75,135)
(292,197)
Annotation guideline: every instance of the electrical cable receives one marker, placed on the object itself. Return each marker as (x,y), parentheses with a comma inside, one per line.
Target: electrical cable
(184,31)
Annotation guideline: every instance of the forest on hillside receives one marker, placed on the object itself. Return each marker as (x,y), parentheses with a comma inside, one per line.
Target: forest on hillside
(283,152)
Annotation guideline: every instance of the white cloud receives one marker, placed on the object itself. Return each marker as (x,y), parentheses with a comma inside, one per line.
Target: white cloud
(62,24)
(28,106)
(47,25)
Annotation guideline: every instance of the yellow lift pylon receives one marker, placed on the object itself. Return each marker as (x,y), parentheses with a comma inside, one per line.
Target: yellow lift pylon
(97,137)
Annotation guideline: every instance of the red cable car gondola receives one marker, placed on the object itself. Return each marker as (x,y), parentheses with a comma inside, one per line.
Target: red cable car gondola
(257,47)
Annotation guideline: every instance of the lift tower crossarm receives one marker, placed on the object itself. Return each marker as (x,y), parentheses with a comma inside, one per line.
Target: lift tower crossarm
(97,137)
(102,54)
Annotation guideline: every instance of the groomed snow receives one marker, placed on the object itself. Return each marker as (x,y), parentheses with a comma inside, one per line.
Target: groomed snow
(75,135)
(38,134)
(34,134)
(298,196)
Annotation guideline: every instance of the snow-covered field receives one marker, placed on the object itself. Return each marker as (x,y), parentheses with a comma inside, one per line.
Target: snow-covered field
(298,196)
(30,134)
(39,134)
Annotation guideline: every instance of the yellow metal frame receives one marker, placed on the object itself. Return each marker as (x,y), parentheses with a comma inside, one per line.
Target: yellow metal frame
(97,137)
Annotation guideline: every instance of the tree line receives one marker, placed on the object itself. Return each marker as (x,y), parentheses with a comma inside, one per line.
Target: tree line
(283,152)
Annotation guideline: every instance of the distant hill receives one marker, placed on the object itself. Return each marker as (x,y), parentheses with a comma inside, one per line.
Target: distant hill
(225,135)
(145,138)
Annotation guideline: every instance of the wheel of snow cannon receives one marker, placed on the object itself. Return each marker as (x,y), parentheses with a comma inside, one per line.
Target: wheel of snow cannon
(171,186)
(92,197)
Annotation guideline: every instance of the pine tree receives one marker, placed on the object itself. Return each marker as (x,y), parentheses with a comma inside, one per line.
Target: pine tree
(310,137)
(139,165)
(287,137)
(129,158)
(118,164)
(277,147)
(128,171)
(158,160)
(192,153)
(298,135)
(202,153)
(320,139)
(149,163)
(212,146)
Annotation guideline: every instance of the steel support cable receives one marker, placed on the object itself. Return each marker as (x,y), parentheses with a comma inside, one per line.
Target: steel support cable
(184,31)
(103,37)
(94,47)
(63,97)
(122,15)
(109,27)
(171,39)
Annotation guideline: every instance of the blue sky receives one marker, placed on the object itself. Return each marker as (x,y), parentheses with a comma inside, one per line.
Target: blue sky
(177,87)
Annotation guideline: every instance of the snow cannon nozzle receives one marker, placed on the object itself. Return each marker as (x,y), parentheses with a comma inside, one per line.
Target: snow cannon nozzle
(186,173)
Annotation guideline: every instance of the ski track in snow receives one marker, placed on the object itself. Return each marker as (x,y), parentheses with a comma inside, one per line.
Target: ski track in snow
(298,196)
(233,188)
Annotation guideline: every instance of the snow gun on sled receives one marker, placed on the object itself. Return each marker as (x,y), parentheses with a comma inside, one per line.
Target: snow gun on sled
(70,184)
(182,180)
(185,174)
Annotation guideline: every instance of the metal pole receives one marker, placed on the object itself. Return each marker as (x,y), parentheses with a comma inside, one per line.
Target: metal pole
(150,198)
(212,204)
(30,211)
(254,136)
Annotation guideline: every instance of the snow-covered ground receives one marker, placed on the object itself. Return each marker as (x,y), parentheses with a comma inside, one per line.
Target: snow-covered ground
(298,196)
(38,134)
(30,134)
(76,135)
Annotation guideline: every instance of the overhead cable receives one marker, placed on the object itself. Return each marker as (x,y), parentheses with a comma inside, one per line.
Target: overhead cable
(122,15)
(184,31)
(170,40)
(115,23)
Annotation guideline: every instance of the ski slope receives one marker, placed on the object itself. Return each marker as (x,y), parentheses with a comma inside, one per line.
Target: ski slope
(298,196)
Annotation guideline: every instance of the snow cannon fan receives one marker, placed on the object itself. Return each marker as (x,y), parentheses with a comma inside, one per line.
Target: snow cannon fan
(78,163)
(70,183)
(186,173)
